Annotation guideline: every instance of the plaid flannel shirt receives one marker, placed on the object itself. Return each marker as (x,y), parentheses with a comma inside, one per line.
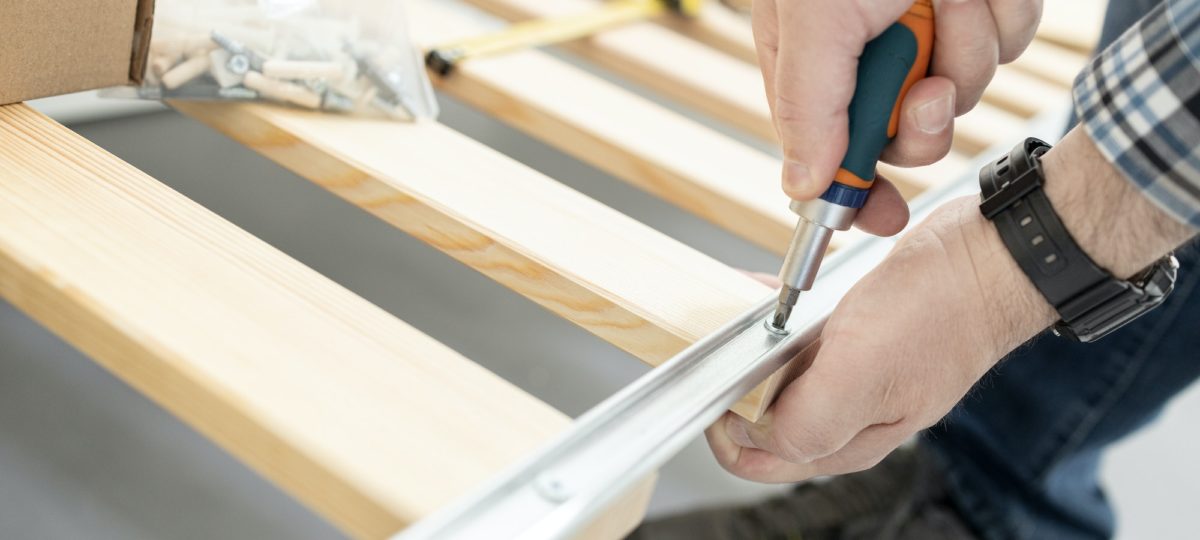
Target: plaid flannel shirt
(1140,102)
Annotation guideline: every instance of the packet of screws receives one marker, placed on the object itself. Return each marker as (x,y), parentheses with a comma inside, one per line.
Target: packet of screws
(346,56)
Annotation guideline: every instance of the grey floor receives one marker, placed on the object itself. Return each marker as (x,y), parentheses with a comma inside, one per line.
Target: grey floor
(82,455)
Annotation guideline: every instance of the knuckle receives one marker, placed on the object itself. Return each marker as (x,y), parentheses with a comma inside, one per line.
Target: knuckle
(867,17)
(859,17)
(803,445)
(766,39)
(789,110)
(789,449)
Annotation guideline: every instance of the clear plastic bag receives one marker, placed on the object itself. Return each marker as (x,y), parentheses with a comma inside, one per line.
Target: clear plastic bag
(345,56)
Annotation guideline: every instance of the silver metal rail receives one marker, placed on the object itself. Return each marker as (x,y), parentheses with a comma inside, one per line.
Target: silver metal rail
(559,490)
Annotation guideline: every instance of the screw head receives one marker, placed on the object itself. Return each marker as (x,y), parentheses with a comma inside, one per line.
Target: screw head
(552,488)
(238,64)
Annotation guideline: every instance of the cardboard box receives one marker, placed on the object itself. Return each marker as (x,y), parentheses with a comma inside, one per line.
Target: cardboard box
(51,47)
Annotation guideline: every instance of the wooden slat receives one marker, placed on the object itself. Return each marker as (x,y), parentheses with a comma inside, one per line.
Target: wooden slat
(681,69)
(350,410)
(984,126)
(665,153)
(615,130)
(1023,94)
(623,281)
(673,69)
(662,152)
(720,28)
(687,71)
(1074,24)
(1051,62)
(914,181)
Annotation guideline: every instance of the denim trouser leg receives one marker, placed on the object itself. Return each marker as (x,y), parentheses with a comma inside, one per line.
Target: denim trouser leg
(1023,450)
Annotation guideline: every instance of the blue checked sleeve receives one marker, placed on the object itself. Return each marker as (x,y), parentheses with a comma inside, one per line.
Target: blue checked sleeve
(1140,102)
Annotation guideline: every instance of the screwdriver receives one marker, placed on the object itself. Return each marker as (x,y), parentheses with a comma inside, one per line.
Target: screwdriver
(887,68)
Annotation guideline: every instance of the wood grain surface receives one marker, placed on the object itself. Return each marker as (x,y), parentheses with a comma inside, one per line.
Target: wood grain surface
(716,84)
(613,129)
(621,280)
(350,410)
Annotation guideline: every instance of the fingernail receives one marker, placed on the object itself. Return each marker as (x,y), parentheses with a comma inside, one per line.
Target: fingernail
(796,178)
(735,428)
(933,117)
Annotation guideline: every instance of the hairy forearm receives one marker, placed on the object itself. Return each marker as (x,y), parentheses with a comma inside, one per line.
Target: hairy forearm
(1109,218)
(1107,215)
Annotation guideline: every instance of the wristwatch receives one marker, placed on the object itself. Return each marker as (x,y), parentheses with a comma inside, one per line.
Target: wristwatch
(1090,300)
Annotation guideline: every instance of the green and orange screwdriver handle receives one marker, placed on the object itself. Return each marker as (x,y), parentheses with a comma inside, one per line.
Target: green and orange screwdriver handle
(890,64)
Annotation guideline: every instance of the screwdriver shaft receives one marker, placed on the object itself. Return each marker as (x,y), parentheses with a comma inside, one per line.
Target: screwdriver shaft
(800,266)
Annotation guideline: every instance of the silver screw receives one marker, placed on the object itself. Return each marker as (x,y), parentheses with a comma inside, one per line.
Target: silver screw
(552,488)
(239,64)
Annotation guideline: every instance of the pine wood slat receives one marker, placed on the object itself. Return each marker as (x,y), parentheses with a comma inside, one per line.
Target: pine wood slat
(720,28)
(617,131)
(1022,93)
(350,410)
(676,66)
(623,281)
(1074,24)
(1050,62)
(688,72)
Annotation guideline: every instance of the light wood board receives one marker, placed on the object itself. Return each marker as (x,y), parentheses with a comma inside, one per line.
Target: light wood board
(617,131)
(1074,24)
(623,281)
(1022,93)
(353,412)
(1050,62)
(720,28)
(674,65)
(678,159)
(696,75)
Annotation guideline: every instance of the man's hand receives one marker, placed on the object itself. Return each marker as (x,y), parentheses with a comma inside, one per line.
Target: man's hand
(910,339)
(809,50)
(903,347)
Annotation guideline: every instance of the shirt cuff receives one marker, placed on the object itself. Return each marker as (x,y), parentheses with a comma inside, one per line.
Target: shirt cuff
(1139,101)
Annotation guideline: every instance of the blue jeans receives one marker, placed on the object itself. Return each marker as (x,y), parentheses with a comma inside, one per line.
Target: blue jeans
(1022,451)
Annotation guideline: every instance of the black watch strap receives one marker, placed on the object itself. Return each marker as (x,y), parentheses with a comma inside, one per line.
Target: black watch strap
(1091,301)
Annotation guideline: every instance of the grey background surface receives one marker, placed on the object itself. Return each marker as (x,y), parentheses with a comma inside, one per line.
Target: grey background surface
(84,456)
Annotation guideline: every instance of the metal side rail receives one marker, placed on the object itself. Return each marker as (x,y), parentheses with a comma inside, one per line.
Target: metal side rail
(556,492)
